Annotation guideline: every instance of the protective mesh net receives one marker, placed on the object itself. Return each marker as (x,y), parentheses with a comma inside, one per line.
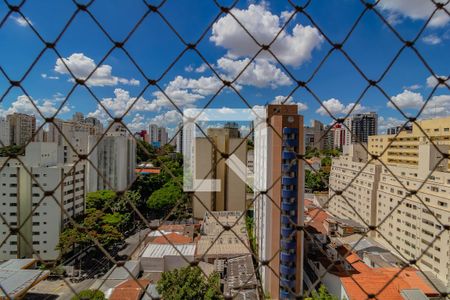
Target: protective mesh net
(107,255)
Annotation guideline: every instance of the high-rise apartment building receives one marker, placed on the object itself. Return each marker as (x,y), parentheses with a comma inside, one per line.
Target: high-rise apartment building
(179,139)
(279,209)
(72,136)
(24,205)
(158,135)
(340,136)
(209,164)
(21,128)
(113,161)
(163,136)
(314,135)
(412,204)
(360,202)
(4,132)
(403,149)
(362,126)
(417,225)
(153,133)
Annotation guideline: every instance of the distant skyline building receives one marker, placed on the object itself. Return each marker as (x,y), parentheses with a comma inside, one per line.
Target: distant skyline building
(397,129)
(279,209)
(362,126)
(72,136)
(314,135)
(163,136)
(340,136)
(21,127)
(5,134)
(153,133)
(114,158)
(179,138)
(158,136)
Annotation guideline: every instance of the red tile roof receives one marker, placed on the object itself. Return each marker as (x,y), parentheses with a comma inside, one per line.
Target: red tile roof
(318,217)
(129,290)
(381,281)
(172,238)
(148,170)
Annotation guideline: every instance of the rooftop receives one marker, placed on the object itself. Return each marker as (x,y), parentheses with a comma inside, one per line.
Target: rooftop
(16,280)
(172,238)
(386,283)
(240,273)
(130,290)
(214,221)
(317,218)
(228,244)
(162,250)
(17,264)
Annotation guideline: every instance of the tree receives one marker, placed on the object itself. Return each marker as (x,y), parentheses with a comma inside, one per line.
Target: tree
(326,161)
(189,283)
(11,150)
(166,198)
(89,294)
(144,152)
(322,294)
(315,181)
(100,199)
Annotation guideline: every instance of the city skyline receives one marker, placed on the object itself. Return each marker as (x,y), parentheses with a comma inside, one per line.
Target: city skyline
(253,149)
(190,83)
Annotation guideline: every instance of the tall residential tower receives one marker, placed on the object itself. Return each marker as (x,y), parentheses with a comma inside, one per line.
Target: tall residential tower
(279,184)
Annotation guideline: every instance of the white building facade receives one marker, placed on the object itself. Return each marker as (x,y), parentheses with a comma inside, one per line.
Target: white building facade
(41,217)
(113,161)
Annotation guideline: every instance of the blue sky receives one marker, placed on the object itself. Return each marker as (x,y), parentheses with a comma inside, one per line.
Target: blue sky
(154,46)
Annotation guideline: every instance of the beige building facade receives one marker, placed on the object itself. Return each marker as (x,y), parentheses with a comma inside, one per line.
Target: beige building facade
(409,193)
(209,164)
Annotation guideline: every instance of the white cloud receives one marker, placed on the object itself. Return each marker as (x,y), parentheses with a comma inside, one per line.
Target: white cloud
(432,81)
(431,39)
(119,104)
(167,119)
(285,15)
(385,123)
(45,76)
(437,106)
(189,68)
(333,105)
(406,100)
(416,10)
(21,21)
(412,87)
(138,123)
(260,73)
(202,68)
(81,66)
(291,48)
(281,100)
(337,108)
(23,105)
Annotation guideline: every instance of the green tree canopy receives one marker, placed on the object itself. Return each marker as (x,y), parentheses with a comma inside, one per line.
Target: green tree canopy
(89,294)
(165,197)
(315,181)
(322,294)
(144,152)
(189,283)
(326,161)
(100,199)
